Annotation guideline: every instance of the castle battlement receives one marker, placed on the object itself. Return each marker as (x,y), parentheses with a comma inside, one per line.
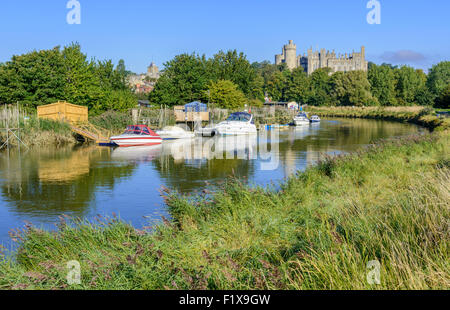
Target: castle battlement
(314,60)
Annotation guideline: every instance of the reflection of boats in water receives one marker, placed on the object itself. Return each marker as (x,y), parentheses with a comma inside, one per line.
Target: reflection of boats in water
(244,146)
(137,153)
(174,132)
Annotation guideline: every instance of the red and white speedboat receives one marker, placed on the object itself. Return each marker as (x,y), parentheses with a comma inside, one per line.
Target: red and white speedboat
(137,135)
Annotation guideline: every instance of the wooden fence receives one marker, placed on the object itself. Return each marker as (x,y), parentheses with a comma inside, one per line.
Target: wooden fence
(63,111)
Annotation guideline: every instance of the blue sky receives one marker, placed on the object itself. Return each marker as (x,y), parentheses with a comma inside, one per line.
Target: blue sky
(414,32)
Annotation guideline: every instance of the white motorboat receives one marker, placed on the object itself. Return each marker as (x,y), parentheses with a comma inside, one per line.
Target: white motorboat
(174,132)
(315,119)
(301,119)
(239,123)
(137,135)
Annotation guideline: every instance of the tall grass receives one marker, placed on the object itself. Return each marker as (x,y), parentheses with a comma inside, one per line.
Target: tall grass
(390,202)
(39,132)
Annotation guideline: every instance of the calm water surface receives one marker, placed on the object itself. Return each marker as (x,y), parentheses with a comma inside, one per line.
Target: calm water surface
(44,183)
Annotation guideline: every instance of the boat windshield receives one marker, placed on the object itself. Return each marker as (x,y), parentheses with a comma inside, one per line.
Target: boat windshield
(240,117)
(137,130)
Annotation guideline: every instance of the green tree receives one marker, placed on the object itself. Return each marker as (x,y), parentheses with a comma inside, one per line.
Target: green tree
(439,78)
(225,94)
(409,83)
(320,87)
(443,101)
(352,89)
(297,86)
(382,84)
(33,79)
(118,100)
(276,85)
(184,79)
(82,83)
(235,67)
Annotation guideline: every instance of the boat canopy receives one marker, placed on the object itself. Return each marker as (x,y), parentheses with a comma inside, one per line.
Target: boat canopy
(302,114)
(240,117)
(196,107)
(139,130)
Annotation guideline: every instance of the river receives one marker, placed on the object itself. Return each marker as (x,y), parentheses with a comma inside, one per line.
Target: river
(41,184)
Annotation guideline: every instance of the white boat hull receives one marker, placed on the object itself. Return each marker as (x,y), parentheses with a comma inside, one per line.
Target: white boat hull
(235,128)
(301,122)
(136,140)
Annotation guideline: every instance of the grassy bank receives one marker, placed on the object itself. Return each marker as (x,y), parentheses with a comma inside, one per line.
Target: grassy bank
(418,115)
(41,132)
(389,203)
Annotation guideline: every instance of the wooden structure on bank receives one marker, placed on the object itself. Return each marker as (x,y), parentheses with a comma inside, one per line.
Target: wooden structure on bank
(182,116)
(78,118)
(64,111)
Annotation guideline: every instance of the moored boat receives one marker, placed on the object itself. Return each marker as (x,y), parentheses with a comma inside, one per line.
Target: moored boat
(301,119)
(315,119)
(137,135)
(239,123)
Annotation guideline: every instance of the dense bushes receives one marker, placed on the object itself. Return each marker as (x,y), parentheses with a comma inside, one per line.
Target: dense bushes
(44,77)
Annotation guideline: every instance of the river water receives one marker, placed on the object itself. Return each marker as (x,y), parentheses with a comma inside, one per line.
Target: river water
(41,184)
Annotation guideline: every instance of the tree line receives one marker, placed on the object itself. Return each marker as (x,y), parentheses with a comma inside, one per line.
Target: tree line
(47,76)
(227,80)
(230,81)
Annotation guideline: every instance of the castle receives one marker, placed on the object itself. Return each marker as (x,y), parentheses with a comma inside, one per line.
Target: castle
(323,59)
(144,83)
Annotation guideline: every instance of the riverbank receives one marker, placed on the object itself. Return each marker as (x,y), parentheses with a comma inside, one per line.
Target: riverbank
(422,116)
(388,203)
(41,132)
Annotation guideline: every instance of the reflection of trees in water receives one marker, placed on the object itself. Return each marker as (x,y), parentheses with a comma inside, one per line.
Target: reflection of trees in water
(58,180)
(344,135)
(349,134)
(190,175)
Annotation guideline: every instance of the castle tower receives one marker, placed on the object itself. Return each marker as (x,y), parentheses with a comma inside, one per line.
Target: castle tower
(290,54)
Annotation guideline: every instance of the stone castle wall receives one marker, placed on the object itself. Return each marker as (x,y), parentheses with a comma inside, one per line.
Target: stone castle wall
(315,60)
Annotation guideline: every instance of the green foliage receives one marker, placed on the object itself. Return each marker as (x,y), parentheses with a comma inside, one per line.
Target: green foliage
(382,84)
(236,68)
(186,78)
(409,83)
(44,77)
(320,88)
(112,120)
(352,89)
(225,94)
(439,77)
(443,101)
(117,100)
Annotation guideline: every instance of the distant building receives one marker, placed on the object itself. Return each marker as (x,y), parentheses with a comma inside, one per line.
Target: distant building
(153,71)
(324,59)
(145,83)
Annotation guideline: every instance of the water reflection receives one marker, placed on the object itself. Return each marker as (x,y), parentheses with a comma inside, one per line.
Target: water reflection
(45,183)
